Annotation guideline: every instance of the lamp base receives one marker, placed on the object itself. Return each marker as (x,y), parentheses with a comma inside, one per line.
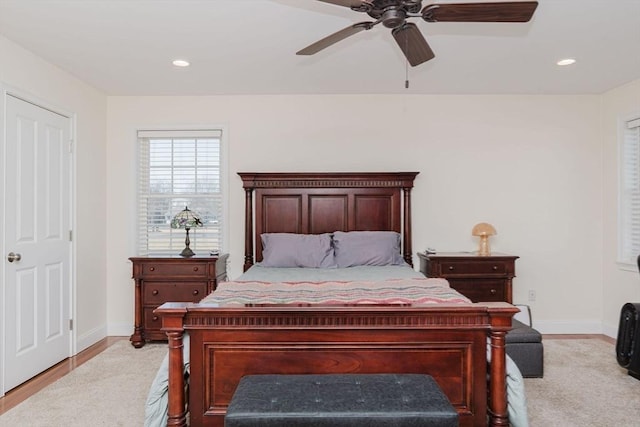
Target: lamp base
(483,248)
(187,252)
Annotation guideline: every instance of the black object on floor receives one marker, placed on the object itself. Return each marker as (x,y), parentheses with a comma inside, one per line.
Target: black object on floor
(628,343)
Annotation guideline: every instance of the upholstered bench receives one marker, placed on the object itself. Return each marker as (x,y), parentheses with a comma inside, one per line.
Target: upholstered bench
(524,347)
(339,400)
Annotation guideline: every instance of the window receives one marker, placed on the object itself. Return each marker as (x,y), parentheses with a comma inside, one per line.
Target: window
(629,223)
(179,169)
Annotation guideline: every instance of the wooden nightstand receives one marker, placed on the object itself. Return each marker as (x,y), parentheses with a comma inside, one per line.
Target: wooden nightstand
(479,278)
(160,279)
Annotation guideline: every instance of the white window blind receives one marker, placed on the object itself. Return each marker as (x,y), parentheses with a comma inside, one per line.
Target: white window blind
(629,242)
(179,169)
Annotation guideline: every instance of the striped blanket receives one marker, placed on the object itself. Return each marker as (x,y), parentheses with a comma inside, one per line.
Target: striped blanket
(386,292)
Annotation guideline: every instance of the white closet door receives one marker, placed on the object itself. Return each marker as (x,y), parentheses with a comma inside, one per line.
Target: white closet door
(37,224)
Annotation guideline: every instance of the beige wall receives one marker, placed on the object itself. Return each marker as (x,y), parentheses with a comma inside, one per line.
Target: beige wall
(40,81)
(531,165)
(619,285)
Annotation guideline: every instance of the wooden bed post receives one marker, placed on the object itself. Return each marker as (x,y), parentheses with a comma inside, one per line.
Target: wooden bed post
(498,398)
(177,415)
(501,315)
(406,238)
(248,228)
(172,315)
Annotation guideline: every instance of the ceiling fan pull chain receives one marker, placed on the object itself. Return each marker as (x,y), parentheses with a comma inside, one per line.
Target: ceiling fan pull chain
(406,79)
(406,64)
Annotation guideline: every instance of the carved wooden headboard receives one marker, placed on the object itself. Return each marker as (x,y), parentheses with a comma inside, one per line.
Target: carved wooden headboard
(314,203)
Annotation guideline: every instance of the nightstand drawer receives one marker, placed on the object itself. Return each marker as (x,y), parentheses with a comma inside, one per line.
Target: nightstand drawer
(161,292)
(466,268)
(480,290)
(151,321)
(190,269)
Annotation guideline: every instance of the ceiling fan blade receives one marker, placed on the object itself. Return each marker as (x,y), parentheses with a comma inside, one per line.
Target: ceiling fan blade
(335,38)
(413,44)
(520,11)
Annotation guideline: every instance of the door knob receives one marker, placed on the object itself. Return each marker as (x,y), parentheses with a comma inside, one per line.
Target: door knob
(13,257)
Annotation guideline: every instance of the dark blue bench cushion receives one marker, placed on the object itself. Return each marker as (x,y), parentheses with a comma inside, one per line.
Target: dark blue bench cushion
(371,400)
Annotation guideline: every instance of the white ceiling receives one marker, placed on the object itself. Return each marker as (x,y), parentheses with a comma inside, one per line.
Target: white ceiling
(125,47)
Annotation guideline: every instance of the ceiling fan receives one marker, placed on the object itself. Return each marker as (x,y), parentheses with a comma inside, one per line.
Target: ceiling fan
(394,14)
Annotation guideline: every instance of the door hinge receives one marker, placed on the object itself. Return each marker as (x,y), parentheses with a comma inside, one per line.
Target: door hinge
(71,146)
(70,235)
(71,324)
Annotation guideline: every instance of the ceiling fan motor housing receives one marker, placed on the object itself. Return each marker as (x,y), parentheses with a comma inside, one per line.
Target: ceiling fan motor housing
(393,13)
(392,18)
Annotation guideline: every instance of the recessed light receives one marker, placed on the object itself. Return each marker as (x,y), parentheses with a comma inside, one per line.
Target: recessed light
(566,61)
(181,63)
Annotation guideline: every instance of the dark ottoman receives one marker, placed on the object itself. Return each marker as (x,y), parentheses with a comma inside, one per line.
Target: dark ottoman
(524,346)
(371,400)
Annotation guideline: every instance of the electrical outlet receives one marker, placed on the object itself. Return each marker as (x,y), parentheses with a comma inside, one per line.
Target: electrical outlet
(532,295)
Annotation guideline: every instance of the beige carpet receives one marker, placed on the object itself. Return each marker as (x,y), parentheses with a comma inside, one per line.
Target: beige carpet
(583,387)
(108,390)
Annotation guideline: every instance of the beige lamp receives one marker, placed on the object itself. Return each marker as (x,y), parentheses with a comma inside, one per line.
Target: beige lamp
(483,230)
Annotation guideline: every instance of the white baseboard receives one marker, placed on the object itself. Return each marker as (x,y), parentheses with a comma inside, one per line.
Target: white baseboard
(610,330)
(91,337)
(120,329)
(88,339)
(568,326)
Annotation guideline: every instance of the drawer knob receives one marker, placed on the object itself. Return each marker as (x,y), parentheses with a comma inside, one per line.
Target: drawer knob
(195,268)
(493,291)
(450,267)
(155,318)
(495,267)
(152,269)
(155,292)
(196,292)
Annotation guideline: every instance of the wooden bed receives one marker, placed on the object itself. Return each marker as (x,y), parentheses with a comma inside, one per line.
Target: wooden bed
(445,341)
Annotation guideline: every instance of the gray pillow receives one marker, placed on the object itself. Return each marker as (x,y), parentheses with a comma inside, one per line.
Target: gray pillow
(355,248)
(297,250)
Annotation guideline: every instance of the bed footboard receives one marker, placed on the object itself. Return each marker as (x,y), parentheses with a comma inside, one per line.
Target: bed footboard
(448,343)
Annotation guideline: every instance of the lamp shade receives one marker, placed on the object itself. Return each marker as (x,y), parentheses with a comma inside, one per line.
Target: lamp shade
(186,219)
(483,230)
